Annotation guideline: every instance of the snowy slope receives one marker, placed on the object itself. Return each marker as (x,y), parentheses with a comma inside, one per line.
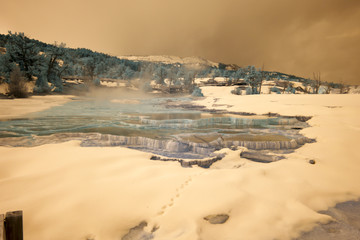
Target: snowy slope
(192,61)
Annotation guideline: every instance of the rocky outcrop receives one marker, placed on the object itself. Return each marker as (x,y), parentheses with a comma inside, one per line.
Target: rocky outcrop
(216,121)
(176,147)
(271,145)
(182,146)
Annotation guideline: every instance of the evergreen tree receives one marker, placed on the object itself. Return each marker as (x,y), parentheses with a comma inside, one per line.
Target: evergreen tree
(54,67)
(180,73)
(290,88)
(189,80)
(146,71)
(160,75)
(88,69)
(254,79)
(6,66)
(197,92)
(216,73)
(3,40)
(41,84)
(238,74)
(24,52)
(96,82)
(171,75)
(128,74)
(101,68)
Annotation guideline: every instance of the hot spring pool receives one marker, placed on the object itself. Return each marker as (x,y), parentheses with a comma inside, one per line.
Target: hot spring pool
(148,125)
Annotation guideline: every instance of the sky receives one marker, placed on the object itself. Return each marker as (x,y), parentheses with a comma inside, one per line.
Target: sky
(297,37)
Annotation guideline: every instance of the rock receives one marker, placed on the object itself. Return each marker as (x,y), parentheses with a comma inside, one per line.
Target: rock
(185,164)
(270,114)
(138,233)
(303,118)
(154,157)
(260,157)
(217,219)
(312,161)
(234,148)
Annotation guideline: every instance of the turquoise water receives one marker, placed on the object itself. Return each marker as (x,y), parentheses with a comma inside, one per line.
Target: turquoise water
(139,122)
(147,118)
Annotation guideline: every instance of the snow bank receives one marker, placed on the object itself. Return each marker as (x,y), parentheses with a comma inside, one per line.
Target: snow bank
(14,108)
(70,192)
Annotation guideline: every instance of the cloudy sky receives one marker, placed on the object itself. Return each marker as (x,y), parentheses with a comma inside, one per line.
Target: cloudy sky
(292,36)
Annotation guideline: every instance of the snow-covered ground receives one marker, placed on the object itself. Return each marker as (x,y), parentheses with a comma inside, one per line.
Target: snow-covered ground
(120,83)
(71,192)
(13,108)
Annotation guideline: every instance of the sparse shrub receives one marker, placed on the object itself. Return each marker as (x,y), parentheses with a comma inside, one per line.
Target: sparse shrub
(56,82)
(236,91)
(96,81)
(197,92)
(276,90)
(249,91)
(344,88)
(42,85)
(290,89)
(283,84)
(322,90)
(17,85)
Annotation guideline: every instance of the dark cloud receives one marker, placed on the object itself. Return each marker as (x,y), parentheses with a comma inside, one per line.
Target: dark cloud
(299,37)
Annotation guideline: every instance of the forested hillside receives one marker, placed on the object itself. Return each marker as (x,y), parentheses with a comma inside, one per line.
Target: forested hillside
(49,64)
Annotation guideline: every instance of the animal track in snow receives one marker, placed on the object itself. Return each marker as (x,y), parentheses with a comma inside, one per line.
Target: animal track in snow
(177,195)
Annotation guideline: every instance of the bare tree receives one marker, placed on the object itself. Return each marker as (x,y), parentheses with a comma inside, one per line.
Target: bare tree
(316,82)
(306,84)
(344,88)
(88,70)
(283,84)
(262,78)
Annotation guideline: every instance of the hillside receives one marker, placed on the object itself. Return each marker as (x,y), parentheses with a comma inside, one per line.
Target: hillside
(50,65)
(195,62)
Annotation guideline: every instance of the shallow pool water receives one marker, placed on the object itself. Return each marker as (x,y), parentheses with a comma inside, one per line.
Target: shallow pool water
(149,125)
